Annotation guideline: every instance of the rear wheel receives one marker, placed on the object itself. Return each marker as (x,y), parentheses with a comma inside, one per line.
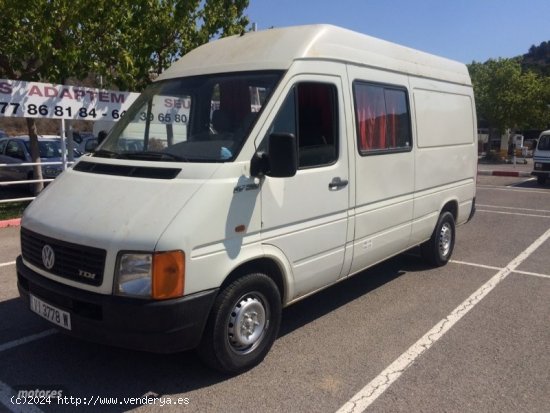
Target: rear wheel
(243,324)
(439,248)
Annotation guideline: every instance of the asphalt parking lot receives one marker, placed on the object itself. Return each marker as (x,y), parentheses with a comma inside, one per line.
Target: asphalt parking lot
(473,336)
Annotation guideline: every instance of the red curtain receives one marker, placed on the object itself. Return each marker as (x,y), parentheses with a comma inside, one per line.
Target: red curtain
(370,111)
(315,100)
(394,108)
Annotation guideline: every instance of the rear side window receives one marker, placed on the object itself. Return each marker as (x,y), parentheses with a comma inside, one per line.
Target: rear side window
(382,118)
(310,113)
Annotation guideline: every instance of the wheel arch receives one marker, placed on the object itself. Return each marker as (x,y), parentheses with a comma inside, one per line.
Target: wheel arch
(271,265)
(452,207)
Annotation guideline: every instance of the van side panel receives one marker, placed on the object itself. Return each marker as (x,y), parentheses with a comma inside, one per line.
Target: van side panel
(384,188)
(440,112)
(445,153)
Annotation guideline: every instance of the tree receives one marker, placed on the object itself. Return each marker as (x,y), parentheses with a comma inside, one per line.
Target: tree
(507,97)
(125,41)
(44,40)
(157,33)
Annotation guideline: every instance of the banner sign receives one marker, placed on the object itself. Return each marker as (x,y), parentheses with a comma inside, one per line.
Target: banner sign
(45,100)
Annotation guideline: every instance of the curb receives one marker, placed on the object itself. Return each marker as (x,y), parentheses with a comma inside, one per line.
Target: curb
(522,174)
(10,223)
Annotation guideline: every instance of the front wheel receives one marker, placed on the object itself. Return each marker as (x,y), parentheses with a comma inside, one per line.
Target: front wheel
(541,179)
(243,324)
(438,249)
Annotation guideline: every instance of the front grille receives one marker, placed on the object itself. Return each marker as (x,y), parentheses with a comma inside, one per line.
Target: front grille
(72,261)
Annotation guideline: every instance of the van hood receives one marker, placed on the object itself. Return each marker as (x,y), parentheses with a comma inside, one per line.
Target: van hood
(100,210)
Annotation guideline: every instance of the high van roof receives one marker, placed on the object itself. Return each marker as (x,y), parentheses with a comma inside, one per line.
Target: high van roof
(277,49)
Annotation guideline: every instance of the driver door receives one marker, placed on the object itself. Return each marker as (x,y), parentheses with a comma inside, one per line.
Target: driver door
(306,216)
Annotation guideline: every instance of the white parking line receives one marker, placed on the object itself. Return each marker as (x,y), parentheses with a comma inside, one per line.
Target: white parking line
(488,267)
(25,340)
(513,213)
(514,208)
(512,189)
(534,274)
(368,394)
(6,264)
(7,395)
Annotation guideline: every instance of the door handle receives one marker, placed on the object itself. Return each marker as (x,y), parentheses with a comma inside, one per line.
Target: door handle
(337,183)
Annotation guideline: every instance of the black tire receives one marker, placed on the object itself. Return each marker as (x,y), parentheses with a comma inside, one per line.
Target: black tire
(438,249)
(253,303)
(541,179)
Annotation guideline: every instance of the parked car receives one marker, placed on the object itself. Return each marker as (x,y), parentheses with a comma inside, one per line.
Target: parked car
(15,151)
(90,145)
(84,141)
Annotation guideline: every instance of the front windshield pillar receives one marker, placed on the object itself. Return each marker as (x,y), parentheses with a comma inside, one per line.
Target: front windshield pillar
(147,126)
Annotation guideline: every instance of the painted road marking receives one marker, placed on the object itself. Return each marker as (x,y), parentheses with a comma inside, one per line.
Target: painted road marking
(512,189)
(368,394)
(514,208)
(6,264)
(513,213)
(15,343)
(489,267)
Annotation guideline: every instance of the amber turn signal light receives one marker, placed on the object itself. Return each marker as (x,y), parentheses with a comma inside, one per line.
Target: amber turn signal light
(168,275)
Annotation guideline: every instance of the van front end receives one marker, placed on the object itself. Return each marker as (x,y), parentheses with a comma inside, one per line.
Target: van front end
(91,265)
(541,158)
(163,326)
(132,245)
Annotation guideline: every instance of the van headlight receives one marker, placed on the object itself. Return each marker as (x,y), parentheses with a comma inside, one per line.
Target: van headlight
(538,165)
(159,275)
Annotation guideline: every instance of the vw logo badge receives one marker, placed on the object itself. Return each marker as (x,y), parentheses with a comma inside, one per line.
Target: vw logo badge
(48,257)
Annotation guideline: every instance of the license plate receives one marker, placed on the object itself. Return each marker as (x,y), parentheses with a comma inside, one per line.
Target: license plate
(51,313)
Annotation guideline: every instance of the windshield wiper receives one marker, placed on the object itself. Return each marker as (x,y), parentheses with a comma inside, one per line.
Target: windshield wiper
(154,156)
(104,153)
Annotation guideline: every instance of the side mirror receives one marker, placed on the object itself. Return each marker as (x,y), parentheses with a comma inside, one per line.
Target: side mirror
(281,159)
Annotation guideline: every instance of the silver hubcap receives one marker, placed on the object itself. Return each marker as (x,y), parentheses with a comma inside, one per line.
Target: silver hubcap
(247,323)
(445,239)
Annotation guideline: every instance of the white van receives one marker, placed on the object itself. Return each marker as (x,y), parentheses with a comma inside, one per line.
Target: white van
(541,158)
(287,161)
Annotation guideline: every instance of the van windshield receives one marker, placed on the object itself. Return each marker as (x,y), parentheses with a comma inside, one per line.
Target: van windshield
(194,119)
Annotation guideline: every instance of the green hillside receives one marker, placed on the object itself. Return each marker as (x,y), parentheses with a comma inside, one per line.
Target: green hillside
(538,59)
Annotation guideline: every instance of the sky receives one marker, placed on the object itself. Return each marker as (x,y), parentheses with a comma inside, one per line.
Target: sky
(463,30)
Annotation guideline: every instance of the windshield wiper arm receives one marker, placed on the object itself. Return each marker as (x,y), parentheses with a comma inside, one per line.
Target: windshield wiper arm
(155,156)
(104,153)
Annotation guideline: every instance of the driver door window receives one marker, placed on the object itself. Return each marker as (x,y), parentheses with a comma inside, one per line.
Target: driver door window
(310,113)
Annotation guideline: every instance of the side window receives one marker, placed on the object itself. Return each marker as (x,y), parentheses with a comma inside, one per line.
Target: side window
(310,113)
(382,118)
(2,146)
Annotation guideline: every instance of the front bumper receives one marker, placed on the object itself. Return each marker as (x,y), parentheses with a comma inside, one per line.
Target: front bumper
(158,326)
